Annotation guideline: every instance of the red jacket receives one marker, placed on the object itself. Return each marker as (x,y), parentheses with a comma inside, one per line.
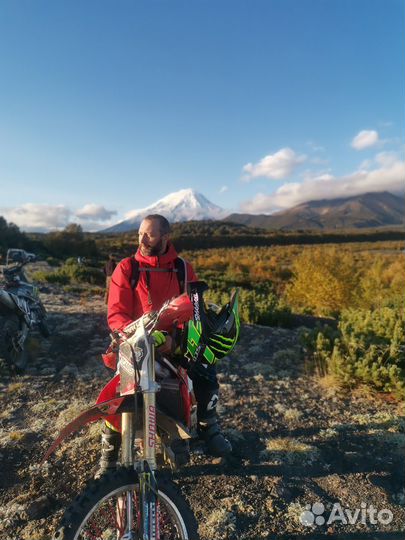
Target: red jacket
(126,305)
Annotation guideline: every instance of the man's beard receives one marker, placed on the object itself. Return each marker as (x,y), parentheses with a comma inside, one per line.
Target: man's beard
(152,251)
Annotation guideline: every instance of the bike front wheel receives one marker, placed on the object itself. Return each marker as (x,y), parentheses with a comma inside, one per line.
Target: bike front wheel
(101,511)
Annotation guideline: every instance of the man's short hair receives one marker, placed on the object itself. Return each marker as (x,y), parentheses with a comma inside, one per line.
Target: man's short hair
(164,225)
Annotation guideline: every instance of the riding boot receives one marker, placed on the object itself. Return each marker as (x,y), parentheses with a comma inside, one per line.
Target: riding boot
(206,390)
(110,447)
(207,424)
(210,432)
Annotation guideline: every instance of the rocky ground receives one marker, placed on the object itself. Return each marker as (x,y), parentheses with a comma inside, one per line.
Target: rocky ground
(298,441)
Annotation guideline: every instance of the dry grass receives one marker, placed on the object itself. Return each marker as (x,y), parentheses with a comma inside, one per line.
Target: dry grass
(32,535)
(47,406)
(330,385)
(15,386)
(219,525)
(75,408)
(294,512)
(16,436)
(290,450)
(328,433)
(381,417)
(292,415)
(364,392)
(86,440)
(5,414)
(236,504)
(287,444)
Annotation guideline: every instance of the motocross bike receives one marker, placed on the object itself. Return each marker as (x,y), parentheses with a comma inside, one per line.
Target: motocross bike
(21,310)
(151,402)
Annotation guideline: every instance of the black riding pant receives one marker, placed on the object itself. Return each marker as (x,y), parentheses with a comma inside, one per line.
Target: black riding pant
(206,389)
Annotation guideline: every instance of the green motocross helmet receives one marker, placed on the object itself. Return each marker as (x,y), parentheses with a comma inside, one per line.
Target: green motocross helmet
(213,332)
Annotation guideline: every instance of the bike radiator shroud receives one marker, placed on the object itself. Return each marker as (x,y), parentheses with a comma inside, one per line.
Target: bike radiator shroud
(170,398)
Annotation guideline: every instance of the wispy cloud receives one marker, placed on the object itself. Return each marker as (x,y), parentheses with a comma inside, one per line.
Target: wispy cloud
(44,217)
(223,189)
(315,147)
(37,217)
(387,175)
(95,212)
(365,139)
(274,166)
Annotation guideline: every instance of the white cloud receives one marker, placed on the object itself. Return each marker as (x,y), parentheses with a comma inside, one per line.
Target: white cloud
(44,218)
(94,212)
(274,166)
(260,204)
(388,175)
(37,217)
(365,139)
(223,189)
(386,159)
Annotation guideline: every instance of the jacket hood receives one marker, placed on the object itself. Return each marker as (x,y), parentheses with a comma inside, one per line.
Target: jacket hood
(158,260)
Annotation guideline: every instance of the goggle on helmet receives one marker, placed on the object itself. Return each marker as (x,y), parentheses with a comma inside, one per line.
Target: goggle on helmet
(213,332)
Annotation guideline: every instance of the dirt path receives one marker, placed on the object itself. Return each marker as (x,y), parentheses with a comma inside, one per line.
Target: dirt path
(296,443)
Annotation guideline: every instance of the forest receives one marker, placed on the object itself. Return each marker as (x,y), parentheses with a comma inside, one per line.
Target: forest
(351,283)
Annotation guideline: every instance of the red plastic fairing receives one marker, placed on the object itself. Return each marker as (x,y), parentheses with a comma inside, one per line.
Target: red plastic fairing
(110,391)
(96,412)
(110,359)
(179,311)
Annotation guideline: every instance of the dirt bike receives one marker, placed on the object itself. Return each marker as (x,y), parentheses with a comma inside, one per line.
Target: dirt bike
(151,402)
(21,310)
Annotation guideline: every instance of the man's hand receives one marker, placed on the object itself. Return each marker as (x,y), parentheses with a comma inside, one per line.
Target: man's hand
(162,341)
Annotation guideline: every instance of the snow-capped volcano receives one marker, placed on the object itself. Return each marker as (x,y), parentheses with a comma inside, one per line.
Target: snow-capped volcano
(183,205)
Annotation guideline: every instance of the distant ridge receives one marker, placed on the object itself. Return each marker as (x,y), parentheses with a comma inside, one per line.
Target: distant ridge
(359,211)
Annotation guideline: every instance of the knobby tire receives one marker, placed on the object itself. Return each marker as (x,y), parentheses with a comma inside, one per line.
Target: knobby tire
(93,514)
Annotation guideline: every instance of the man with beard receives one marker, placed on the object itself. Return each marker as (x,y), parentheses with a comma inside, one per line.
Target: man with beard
(157,282)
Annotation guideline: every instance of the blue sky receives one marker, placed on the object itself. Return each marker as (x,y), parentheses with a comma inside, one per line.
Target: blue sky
(107,106)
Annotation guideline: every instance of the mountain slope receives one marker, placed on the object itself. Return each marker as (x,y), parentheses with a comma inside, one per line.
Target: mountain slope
(360,211)
(183,205)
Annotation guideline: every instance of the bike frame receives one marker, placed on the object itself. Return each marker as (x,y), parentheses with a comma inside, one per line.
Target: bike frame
(136,377)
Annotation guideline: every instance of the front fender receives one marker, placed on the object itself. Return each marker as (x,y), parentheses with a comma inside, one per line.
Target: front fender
(98,411)
(109,407)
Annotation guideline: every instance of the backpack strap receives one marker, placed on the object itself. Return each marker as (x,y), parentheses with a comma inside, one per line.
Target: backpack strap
(180,269)
(134,272)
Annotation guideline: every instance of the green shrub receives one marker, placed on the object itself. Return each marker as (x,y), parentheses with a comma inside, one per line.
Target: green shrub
(72,273)
(368,348)
(51,277)
(260,306)
(83,274)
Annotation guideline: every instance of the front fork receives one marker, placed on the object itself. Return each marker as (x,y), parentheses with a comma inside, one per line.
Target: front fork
(148,490)
(148,485)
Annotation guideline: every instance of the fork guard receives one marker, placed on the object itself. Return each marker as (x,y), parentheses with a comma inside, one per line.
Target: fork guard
(111,410)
